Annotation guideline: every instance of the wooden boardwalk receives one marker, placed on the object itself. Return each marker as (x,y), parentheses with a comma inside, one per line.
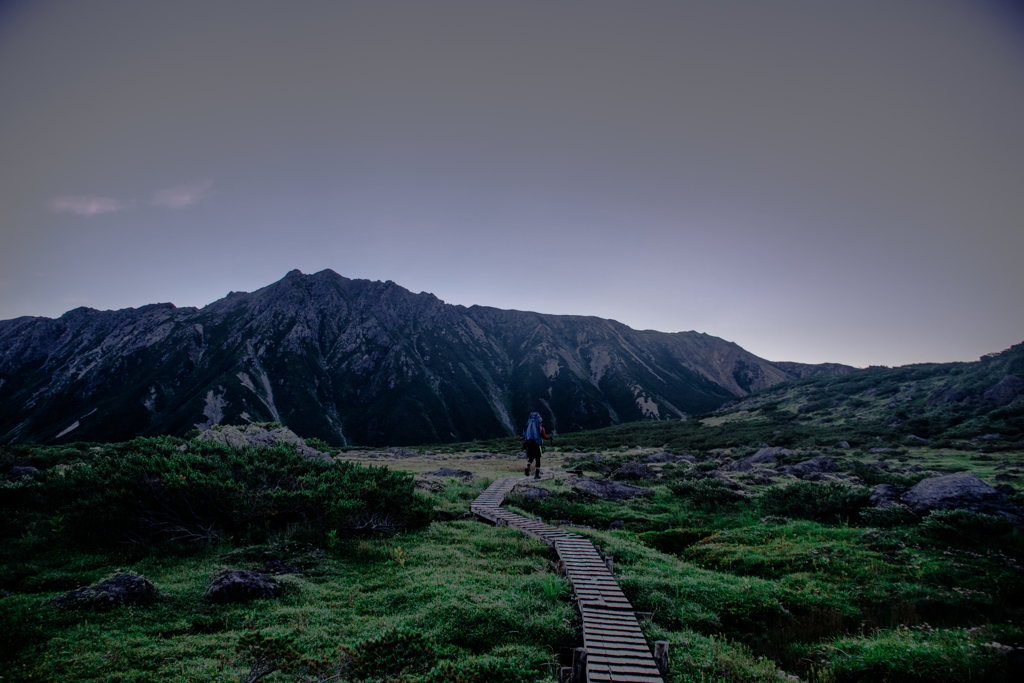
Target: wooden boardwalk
(616,648)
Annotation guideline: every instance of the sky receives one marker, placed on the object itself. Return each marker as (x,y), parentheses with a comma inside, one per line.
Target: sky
(815,181)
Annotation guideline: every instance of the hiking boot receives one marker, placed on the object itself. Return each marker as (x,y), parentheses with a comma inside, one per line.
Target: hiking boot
(536,474)
(527,470)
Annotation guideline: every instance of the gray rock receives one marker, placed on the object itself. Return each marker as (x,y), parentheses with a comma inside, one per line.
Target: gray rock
(450,472)
(668,457)
(429,485)
(764,456)
(813,466)
(843,444)
(634,471)
(239,585)
(616,525)
(960,491)
(242,436)
(727,405)
(120,589)
(609,490)
(1004,391)
(531,492)
(886,495)
(880,450)
(987,437)
(916,439)
(17,472)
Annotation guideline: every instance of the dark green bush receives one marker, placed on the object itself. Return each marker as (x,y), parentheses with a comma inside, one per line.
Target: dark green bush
(707,491)
(964,526)
(673,541)
(148,489)
(822,501)
(894,515)
(394,653)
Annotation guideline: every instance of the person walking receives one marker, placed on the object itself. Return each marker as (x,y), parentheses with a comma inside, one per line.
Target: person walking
(533,437)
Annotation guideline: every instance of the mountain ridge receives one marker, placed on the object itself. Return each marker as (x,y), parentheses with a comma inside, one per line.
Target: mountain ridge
(355,361)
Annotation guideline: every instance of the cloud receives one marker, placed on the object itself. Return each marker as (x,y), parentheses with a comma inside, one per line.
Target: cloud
(86,206)
(182,196)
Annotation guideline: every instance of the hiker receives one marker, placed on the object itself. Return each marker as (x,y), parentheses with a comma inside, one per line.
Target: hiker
(532,439)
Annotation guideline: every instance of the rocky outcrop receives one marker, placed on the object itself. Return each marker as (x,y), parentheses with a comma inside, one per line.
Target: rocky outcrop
(258,435)
(1004,391)
(634,471)
(240,585)
(960,491)
(530,492)
(766,456)
(818,465)
(450,472)
(120,589)
(610,490)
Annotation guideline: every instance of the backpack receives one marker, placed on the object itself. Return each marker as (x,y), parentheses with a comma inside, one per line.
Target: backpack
(532,433)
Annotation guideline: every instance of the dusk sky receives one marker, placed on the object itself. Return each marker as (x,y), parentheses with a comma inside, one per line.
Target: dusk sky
(815,181)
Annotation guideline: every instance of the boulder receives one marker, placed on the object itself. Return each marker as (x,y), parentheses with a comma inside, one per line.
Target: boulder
(634,471)
(239,585)
(764,456)
(880,450)
(120,589)
(668,457)
(257,435)
(815,465)
(450,472)
(17,472)
(609,490)
(1004,391)
(429,485)
(886,495)
(960,491)
(616,525)
(916,439)
(845,445)
(531,492)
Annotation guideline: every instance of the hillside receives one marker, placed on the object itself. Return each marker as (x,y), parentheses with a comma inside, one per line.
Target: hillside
(354,362)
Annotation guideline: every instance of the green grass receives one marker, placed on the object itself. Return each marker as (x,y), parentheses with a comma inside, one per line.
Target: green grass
(793,576)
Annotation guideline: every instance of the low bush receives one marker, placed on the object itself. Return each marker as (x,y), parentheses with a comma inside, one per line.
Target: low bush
(149,489)
(705,492)
(823,501)
(964,526)
(894,515)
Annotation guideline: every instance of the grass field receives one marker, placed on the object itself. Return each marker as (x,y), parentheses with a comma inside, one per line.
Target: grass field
(743,589)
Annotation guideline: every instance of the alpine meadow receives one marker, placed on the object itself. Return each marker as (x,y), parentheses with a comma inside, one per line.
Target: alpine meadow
(450,341)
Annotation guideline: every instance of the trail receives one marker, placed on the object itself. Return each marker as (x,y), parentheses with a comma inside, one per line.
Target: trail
(616,649)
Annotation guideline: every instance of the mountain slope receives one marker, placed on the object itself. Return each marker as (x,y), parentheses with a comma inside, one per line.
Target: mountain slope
(353,361)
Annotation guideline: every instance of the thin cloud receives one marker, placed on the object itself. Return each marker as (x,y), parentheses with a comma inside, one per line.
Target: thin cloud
(183,196)
(86,206)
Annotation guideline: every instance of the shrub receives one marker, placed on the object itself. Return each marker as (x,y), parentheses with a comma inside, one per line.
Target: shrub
(894,515)
(964,526)
(148,489)
(708,491)
(673,541)
(824,501)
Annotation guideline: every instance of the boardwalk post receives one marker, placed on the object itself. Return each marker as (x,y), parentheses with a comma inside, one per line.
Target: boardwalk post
(565,674)
(661,656)
(608,561)
(579,665)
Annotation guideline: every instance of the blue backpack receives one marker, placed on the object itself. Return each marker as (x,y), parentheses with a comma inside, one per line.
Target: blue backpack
(532,433)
